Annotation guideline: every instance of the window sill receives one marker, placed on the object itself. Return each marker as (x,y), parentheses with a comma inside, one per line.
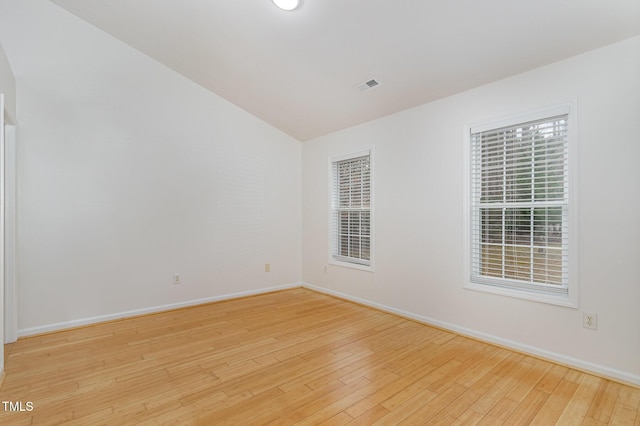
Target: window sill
(368,268)
(559,300)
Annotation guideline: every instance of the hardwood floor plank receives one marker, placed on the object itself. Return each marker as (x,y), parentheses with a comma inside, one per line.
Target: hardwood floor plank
(528,382)
(491,359)
(434,406)
(370,416)
(468,418)
(552,409)
(576,409)
(293,357)
(627,408)
(408,406)
(328,405)
(456,408)
(499,413)
(603,403)
(552,378)
(269,410)
(528,408)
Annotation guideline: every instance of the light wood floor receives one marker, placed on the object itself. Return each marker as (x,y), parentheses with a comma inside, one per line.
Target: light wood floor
(294,357)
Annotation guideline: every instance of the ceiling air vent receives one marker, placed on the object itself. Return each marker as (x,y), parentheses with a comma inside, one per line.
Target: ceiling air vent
(368,85)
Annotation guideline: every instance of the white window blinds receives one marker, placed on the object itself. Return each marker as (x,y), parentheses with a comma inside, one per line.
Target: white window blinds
(520,205)
(351,210)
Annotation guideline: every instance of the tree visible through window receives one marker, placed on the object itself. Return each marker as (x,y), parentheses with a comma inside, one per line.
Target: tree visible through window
(352,210)
(520,202)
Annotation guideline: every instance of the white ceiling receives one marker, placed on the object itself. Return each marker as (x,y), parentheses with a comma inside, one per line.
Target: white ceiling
(297,70)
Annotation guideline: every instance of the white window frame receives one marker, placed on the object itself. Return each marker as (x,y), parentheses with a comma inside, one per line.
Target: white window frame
(570,298)
(334,257)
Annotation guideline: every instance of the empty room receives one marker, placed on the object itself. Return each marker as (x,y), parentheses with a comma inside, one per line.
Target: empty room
(320,212)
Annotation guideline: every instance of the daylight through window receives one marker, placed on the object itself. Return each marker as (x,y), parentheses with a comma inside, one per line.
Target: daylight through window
(351,210)
(519,205)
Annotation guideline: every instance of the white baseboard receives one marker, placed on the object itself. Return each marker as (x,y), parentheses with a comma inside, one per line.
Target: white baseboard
(601,370)
(144,311)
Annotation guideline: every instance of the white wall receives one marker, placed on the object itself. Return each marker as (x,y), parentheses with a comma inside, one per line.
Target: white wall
(128,173)
(419,213)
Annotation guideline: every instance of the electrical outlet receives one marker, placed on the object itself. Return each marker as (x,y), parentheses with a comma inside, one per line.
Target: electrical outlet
(590,321)
(267,267)
(177,280)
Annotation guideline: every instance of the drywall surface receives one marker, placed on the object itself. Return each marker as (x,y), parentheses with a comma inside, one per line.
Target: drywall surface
(129,173)
(419,202)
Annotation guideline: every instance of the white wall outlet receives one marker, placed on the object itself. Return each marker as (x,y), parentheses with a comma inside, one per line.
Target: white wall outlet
(590,321)
(177,279)
(325,268)
(267,267)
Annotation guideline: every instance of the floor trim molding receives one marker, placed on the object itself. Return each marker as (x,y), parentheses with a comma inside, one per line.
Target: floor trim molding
(585,366)
(600,370)
(65,325)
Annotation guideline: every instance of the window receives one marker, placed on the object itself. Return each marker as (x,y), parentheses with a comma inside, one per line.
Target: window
(519,205)
(351,210)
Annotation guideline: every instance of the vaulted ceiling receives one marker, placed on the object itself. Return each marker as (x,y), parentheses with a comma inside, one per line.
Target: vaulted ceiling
(298,70)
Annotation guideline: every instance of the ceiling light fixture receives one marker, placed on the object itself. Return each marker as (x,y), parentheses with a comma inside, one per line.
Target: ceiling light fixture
(287,4)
